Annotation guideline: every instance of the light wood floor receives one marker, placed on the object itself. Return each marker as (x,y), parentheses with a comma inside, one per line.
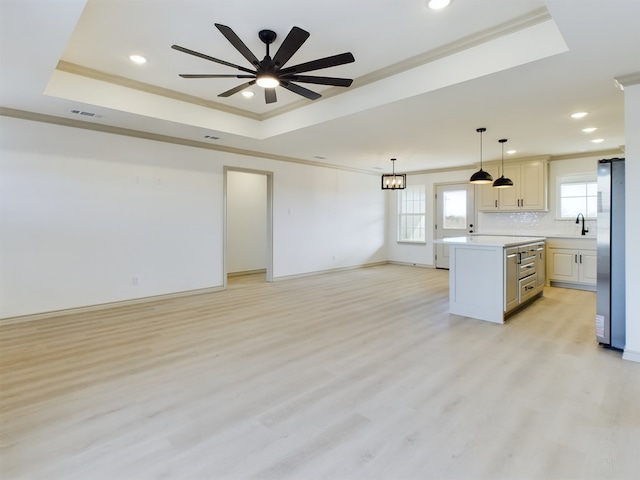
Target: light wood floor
(354,375)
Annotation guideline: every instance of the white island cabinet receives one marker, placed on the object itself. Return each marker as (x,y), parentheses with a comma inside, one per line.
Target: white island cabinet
(490,276)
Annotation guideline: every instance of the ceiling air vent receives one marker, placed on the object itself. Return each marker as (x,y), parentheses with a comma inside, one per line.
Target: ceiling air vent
(86,114)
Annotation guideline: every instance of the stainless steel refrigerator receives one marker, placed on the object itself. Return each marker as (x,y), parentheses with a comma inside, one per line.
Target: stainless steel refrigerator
(610,303)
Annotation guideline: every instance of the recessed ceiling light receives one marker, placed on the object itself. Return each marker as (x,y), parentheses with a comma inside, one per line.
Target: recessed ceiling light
(437,4)
(598,140)
(589,129)
(511,152)
(247,94)
(579,114)
(139,59)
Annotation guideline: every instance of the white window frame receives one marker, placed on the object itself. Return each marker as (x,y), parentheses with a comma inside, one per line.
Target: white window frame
(566,179)
(422,214)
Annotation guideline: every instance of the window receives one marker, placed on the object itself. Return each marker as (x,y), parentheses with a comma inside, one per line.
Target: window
(412,207)
(577,194)
(454,213)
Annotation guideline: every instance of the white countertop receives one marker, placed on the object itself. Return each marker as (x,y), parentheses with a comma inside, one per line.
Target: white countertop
(588,236)
(489,240)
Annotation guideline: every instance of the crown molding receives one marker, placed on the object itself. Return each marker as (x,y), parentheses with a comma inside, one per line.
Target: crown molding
(627,80)
(79,70)
(73,123)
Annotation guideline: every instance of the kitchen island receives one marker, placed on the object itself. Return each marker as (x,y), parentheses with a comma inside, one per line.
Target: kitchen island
(492,276)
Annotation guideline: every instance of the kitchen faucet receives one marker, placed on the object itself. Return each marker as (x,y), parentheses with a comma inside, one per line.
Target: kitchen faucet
(584,230)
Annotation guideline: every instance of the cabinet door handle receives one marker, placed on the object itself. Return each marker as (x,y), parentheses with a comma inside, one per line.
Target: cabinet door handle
(496,203)
(580,258)
(575,260)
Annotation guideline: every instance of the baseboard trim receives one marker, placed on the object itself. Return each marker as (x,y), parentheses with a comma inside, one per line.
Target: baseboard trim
(411,264)
(575,286)
(137,301)
(246,272)
(103,306)
(631,355)
(331,270)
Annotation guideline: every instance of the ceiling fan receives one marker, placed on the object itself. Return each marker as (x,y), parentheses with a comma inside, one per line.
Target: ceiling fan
(269,72)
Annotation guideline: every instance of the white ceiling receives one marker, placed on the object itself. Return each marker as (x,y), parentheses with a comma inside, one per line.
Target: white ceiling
(423,80)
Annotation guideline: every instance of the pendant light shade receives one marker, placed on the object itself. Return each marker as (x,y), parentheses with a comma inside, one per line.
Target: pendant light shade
(394,181)
(503,182)
(481,177)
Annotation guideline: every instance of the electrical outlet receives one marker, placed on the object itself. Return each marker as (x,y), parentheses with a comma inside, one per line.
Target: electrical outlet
(135,280)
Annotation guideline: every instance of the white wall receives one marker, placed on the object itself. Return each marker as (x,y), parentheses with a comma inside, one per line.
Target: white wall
(632,224)
(419,254)
(330,219)
(83,212)
(246,222)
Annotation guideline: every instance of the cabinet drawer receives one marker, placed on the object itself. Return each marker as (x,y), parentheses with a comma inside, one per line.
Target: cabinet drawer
(527,288)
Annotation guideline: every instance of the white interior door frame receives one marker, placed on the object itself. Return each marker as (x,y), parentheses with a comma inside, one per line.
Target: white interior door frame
(269,175)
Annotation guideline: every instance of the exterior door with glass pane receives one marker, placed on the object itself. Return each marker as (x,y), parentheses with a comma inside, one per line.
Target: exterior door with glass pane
(455,216)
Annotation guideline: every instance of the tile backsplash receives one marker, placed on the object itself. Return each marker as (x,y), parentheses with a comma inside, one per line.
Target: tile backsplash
(530,223)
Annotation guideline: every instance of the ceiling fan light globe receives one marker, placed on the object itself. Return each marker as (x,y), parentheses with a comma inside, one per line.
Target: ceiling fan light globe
(438,4)
(268,81)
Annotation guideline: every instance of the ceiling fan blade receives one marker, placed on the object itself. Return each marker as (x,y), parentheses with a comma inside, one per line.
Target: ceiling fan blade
(290,45)
(207,75)
(212,59)
(237,43)
(326,62)
(305,92)
(237,89)
(336,82)
(270,95)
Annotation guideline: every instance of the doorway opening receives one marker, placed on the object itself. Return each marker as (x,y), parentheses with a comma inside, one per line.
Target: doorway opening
(248,226)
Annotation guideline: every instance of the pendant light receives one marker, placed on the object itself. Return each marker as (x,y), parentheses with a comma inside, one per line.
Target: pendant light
(393,181)
(503,182)
(481,177)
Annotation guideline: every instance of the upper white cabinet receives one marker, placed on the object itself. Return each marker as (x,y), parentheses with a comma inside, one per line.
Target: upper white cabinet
(529,193)
(489,199)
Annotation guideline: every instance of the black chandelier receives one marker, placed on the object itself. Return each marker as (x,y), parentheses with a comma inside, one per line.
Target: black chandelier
(393,181)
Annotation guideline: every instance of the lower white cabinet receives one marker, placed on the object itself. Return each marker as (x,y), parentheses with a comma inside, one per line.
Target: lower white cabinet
(572,266)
